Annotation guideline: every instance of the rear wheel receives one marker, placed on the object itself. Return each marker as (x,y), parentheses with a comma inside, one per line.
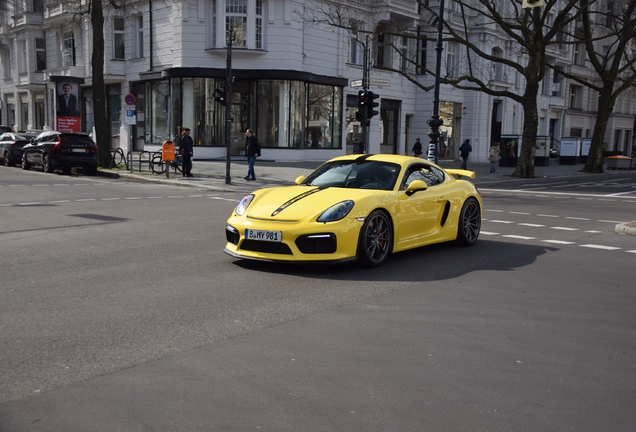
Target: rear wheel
(157,165)
(469,223)
(7,159)
(25,164)
(376,239)
(46,164)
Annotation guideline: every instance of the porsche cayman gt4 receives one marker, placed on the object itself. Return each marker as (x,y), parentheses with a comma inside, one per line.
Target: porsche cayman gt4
(357,207)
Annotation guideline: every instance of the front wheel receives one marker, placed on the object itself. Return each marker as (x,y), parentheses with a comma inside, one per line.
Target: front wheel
(376,239)
(469,223)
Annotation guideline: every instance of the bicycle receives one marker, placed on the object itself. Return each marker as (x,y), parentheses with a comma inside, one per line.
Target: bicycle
(117,158)
(158,165)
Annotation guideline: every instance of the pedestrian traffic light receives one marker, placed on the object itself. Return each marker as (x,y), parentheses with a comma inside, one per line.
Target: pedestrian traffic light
(369,104)
(531,3)
(220,96)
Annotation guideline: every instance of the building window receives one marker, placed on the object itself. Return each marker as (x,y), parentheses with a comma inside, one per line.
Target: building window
(68,50)
(119,49)
(382,51)
(421,62)
(259,24)
(22,56)
(452,68)
(236,21)
(579,54)
(5,60)
(139,37)
(576,99)
(38,6)
(157,130)
(405,61)
(557,82)
(40,54)
(497,67)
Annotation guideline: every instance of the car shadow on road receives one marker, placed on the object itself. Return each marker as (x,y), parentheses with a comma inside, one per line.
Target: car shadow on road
(428,263)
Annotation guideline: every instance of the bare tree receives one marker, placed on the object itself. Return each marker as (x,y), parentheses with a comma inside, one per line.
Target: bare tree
(608,36)
(531,31)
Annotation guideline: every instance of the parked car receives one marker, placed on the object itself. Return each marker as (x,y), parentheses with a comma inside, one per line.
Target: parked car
(357,207)
(11,145)
(61,150)
(4,129)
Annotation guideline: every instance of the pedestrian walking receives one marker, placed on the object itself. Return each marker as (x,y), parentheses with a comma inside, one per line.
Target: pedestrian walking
(186,148)
(252,151)
(464,152)
(493,156)
(417,148)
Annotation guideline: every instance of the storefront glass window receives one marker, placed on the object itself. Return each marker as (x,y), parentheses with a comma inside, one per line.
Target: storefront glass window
(273,111)
(297,114)
(157,124)
(320,107)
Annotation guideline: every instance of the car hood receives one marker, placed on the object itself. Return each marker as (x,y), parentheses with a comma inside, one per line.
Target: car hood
(294,203)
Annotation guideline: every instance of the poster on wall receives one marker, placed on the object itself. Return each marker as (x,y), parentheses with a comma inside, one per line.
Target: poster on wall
(569,147)
(67,108)
(586,143)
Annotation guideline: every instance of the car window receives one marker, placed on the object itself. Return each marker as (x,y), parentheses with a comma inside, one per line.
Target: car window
(76,139)
(350,174)
(428,174)
(5,137)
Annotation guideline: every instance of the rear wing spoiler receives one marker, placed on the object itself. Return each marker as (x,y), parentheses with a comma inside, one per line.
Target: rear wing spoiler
(461,173)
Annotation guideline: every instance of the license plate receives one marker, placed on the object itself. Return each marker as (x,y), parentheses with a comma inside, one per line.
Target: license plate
(263,235)
(78,150)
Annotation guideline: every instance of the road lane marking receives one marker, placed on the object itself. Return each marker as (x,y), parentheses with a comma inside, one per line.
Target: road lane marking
(547,215)
(85,199)
(109,199)
(564,228)
(488,233)
(519,237)
(577,218)
(593,246)
(594,232)
(531,225)
(501,221)
(611,221)
(561,242)
(520,213)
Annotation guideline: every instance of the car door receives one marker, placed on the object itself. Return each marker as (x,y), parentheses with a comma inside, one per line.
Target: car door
(420,214)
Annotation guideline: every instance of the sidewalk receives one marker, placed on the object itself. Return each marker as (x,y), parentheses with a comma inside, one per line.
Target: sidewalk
(211,175)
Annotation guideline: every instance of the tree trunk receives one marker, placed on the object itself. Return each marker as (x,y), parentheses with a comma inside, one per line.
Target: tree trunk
(594,162)
(525,163)
(102,127)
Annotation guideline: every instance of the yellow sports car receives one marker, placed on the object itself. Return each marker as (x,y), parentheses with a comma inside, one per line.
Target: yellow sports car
(357,207)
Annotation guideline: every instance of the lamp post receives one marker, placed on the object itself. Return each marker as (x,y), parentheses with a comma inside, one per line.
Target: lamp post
(228,107)
(435,122)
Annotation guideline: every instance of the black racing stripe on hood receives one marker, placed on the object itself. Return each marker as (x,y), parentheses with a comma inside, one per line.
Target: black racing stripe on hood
(296,199)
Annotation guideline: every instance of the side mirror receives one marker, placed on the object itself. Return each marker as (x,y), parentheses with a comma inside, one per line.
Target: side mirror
(416,186)
(299,180)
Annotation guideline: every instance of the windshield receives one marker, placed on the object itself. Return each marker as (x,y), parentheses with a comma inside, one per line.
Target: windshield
(351,174)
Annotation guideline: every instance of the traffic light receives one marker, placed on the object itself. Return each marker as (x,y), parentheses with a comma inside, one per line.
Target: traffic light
(369,105)
(531,3)
(362,104)
(220,96)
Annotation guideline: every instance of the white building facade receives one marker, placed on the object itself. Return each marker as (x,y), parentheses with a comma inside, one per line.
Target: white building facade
(290,82)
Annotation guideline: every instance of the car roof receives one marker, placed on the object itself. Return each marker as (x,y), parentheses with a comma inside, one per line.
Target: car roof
(398,159)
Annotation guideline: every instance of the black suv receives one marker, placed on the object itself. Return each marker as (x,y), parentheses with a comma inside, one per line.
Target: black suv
(61,150)
(4,129)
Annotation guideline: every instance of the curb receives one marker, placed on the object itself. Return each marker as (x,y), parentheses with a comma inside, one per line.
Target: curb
(628,228)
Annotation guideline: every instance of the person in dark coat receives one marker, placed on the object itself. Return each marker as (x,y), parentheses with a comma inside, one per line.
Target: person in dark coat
(186,148)
(417,148)
(464,152)
(252,151)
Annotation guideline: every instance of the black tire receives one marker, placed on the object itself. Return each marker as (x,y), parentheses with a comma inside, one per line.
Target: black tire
(25,165)
(46,164)
(7,160)
(375,243)
(157,165)
(469,223)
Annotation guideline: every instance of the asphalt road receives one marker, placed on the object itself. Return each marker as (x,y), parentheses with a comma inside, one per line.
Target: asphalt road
(119,311)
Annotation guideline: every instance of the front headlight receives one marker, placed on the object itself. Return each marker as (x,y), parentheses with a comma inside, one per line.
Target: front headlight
(336,211)
(240,209)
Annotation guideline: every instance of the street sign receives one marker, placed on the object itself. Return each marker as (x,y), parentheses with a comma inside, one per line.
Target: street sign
(130,117)
(129,99)
(380,82)
(356,83)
